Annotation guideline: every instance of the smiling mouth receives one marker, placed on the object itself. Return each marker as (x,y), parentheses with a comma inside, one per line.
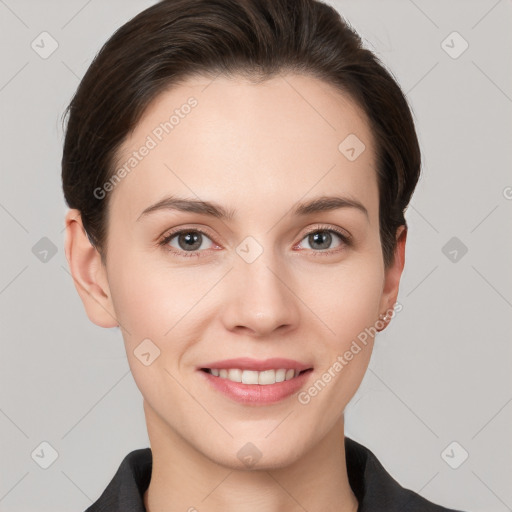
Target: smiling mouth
(253,377)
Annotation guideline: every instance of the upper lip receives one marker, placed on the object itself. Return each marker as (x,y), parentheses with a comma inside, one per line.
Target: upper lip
(246,363)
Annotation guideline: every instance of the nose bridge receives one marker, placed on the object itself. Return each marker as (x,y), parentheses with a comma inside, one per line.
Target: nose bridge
(260,298)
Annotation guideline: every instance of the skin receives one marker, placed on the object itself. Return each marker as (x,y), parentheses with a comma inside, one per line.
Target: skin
(259,150)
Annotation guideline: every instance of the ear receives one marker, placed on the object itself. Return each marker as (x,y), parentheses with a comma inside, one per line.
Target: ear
(88,272)
(393,274)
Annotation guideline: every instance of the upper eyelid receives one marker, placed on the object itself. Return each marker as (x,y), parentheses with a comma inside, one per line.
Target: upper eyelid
(171,233)
(346,238)
(342,233)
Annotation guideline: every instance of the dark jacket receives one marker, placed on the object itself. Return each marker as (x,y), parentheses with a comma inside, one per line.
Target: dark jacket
(374,488)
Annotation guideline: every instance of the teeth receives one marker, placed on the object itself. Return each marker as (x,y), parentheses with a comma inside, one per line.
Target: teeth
(254,377)
(280,375)
(235,375)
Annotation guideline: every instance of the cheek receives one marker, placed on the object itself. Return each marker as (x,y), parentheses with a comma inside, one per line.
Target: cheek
(350,296)
(153,301)
(350,309)
(149,299)
(148,304)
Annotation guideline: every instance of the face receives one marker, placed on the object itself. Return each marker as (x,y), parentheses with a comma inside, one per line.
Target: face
(271,278)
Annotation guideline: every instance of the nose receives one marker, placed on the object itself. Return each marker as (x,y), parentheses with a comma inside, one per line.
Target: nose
(260,297)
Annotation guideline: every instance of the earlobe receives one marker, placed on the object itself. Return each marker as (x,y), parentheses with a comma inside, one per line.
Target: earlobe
(392,278)
(88,272)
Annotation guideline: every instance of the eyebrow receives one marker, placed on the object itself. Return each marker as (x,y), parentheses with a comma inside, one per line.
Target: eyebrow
(212,209)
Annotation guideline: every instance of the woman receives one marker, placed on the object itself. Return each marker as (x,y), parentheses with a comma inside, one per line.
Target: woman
(237,174)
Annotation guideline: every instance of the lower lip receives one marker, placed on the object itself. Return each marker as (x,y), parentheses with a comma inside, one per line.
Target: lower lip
(256,393)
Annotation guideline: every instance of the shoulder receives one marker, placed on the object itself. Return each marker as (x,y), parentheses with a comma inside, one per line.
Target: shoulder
(376,489)
(125,491)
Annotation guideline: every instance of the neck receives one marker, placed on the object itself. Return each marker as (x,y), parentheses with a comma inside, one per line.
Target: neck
(183,479)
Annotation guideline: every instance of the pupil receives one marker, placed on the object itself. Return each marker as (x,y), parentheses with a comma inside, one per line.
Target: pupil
(319,236)
(191,241)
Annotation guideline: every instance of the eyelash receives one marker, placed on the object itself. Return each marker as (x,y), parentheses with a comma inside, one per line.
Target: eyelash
(187,254)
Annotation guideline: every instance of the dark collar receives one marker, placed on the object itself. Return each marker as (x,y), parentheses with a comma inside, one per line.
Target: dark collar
(374,488)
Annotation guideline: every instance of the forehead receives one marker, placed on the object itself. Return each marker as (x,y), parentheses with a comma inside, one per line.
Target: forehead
(230,139)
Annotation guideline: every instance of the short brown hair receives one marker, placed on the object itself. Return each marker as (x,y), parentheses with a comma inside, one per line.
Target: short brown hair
(174,39)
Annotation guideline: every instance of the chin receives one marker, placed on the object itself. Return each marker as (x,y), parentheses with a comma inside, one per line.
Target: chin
(256,455)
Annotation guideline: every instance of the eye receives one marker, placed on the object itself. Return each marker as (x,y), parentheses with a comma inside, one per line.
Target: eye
(321,238)
(189,241)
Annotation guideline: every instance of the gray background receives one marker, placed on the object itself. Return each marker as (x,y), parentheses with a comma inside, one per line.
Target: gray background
(441,371)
